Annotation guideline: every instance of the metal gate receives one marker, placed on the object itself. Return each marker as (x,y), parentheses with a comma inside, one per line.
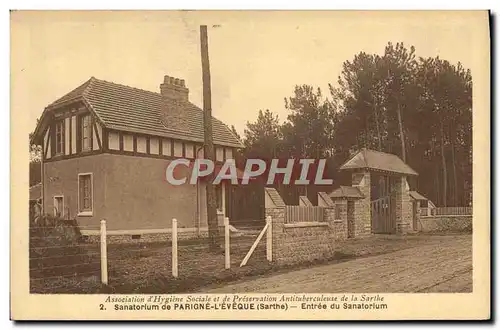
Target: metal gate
(382,216)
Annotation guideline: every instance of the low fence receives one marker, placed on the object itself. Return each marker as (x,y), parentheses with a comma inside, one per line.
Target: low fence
(294,214)
(59,258)
(453,210)
(97,262)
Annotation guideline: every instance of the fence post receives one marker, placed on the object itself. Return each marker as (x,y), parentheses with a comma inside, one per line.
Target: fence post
(175,267)
(227,244)
(269,237)
(104,254)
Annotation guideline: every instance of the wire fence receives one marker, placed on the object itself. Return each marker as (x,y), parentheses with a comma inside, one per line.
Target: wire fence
(63,260)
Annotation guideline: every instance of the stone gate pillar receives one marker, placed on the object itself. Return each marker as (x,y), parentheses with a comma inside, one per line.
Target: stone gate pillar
(275,208)
(362,207)
(403,207)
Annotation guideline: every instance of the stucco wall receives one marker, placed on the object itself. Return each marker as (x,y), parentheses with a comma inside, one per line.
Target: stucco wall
(61,178)
(139,197)
(130,192)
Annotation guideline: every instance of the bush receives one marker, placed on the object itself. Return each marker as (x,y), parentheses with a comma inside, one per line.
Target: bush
(56,247)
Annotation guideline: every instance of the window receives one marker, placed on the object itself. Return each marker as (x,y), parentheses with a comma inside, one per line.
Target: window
(141,144)
(59,206)
(59,137)
(85,194)
(178,149)
(167,147)
(86,129)
(189,150)
(219,154)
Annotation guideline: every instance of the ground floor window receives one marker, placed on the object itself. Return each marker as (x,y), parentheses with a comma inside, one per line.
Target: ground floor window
(85,192)
(59,206)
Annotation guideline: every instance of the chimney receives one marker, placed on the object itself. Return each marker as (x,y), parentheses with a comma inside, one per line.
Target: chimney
(174,89)
(174,100)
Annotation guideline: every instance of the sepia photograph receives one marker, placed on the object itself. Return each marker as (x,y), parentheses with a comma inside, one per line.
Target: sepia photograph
(251,162)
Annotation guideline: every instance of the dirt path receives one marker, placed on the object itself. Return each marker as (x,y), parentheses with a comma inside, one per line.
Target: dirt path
(434,267)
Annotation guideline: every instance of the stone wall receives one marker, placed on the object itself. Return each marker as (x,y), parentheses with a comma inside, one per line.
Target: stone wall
(362,207)
(337,218)
(300,242)
(450,223)
(403,207)
(306,241)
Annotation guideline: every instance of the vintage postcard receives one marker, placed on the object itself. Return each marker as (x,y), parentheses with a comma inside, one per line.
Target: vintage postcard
(250,165)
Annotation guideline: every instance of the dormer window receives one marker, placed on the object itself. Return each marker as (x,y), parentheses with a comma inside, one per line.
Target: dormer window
(86,131)
(59,137)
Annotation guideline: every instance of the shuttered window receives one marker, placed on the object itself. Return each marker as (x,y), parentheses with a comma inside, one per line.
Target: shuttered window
(59,137)
(86,131)
(85,192)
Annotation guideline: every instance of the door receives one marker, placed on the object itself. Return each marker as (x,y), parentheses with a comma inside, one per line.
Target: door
(382,219)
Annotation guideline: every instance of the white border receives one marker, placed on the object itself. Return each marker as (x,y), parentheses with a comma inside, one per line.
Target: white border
(188,4)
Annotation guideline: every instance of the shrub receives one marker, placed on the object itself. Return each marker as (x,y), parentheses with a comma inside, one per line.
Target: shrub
(55,247)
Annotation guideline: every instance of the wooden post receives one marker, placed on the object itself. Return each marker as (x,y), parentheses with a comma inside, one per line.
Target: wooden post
(223,188)
(104,254)
(269,242)
(175,270)
(213,228)
(227,244)
(254,245)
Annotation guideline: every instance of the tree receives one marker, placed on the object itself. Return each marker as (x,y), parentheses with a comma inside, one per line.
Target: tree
(35,158)
(263,137)
(361,118)
(419,109)
(308,130)
(235,132)
(401,86)
(446,97)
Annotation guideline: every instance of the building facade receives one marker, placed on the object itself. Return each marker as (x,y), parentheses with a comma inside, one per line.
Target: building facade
(106,148)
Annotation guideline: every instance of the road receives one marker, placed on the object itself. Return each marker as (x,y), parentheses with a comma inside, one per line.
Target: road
(435,267)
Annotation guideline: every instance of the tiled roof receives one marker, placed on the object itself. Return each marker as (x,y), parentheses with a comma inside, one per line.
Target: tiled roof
(346,192)
(326,198)
(416,196)
(135,110)
(376,160)
(305,201)
(275,197)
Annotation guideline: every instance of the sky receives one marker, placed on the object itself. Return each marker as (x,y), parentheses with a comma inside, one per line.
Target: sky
(256,58)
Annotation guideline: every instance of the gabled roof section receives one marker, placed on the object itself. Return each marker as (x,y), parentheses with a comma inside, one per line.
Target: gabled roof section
(346,192)
(325,198)
(135,110)
(377,160)
(416,196)
(275,197)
